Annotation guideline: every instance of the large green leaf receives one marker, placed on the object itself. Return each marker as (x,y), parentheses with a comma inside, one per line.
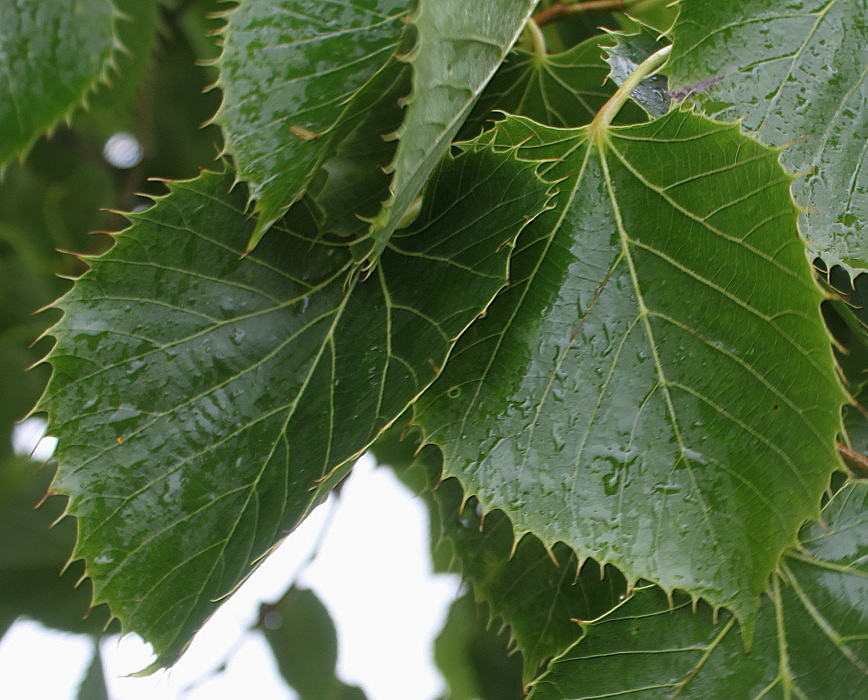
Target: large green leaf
(565,89)
(304,642)
(53,55)
(291,73)
(633,392)
(204,402)
(795,72)
(459,47)
(810,640)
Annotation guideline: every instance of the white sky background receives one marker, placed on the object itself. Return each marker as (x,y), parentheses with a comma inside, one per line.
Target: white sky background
(373,572)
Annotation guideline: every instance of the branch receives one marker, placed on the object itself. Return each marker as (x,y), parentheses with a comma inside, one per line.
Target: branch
(858,463)
(560,10)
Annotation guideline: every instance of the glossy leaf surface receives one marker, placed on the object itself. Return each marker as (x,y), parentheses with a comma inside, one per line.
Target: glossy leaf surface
(795,72)
(632,392)
(459,47)
(289,73)
(205,401)
(53,54)
(810,639)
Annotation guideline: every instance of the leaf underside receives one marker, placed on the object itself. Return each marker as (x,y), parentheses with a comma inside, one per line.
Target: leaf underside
(810,639)
(205,402)
(658,372)
(795,72)
(53,56)
(565,89)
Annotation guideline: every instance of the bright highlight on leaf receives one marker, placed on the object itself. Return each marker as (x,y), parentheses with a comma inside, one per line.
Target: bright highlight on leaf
(205,402)
(629,393)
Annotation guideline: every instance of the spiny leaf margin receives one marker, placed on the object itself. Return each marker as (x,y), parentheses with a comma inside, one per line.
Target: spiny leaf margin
(189,533)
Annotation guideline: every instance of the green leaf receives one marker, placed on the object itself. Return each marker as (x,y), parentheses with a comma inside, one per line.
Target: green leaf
(624,57)
(537,592)
(290,73)
(565,89)
(137,33)
(632,393)
(795,73)
(304,642)
(205,402)
(352,184)
(810,639)
(460,46)
(54,54)
(473,657)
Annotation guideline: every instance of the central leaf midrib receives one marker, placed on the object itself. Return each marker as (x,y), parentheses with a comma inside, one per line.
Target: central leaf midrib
(652,346)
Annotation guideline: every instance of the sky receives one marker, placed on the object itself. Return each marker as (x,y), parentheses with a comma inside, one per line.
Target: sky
(373,573)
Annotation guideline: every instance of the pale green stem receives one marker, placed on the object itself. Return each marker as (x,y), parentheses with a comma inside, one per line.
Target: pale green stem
(610,110)
(537,40)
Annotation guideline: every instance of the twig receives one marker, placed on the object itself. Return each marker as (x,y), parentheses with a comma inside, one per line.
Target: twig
(858,463)
(560,10)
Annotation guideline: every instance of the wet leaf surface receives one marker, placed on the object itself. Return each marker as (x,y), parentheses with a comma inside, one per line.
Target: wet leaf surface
(632,392)
(810,637)
(795,72)
(205,401)
(292,73)
(459,47)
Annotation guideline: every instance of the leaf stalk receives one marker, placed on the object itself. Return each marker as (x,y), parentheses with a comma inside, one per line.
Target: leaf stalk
(537,41)
(609,111)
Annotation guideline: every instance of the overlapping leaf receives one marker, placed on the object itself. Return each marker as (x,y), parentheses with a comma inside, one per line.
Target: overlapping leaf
(460,45)
(51,55)
(205,402)
(472,655)
(509,575)
(810,637)
(565,89)
(655,388)
(293,75)
(795,72)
